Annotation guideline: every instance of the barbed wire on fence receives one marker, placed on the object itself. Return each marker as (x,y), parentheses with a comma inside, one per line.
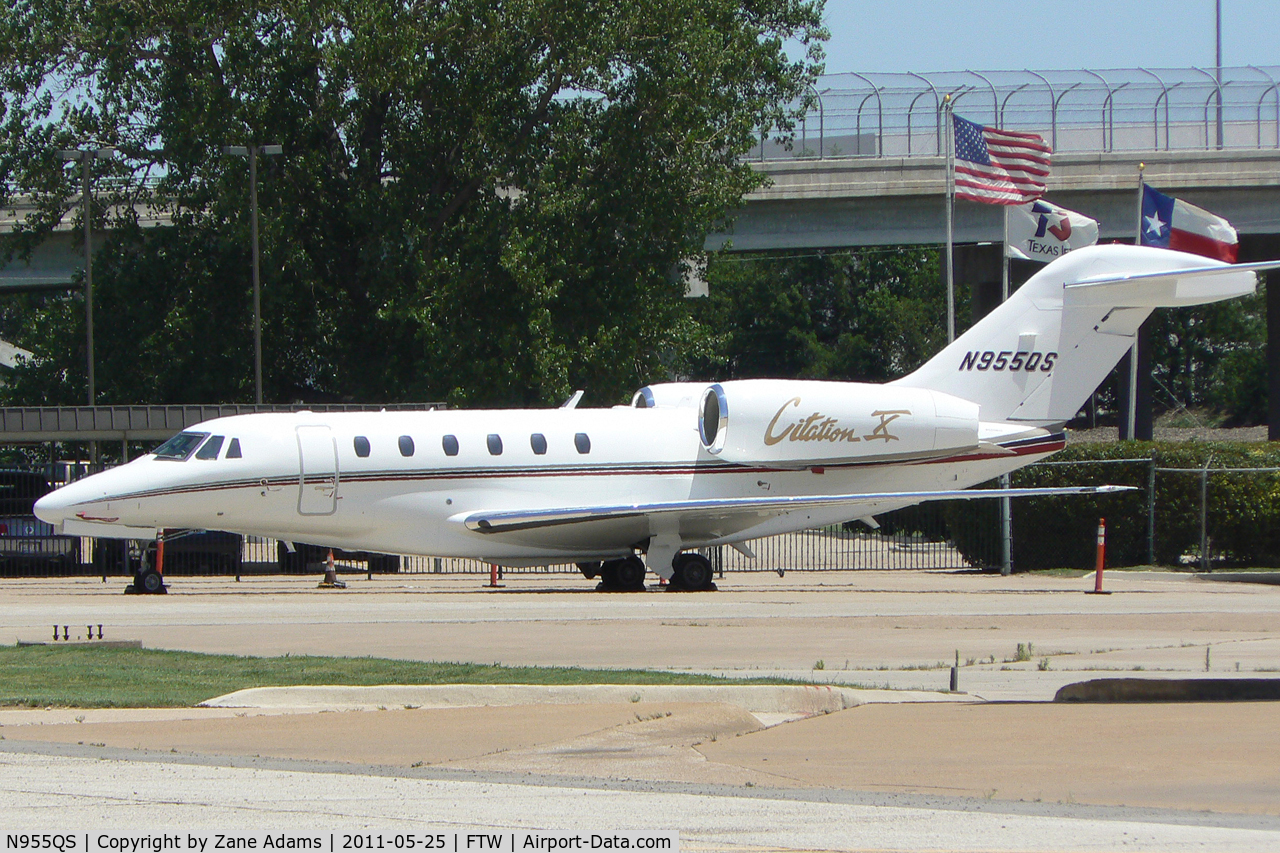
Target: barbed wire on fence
(1124,109)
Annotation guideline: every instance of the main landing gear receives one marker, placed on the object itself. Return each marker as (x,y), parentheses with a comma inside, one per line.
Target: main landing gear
(625,575)
(691,572)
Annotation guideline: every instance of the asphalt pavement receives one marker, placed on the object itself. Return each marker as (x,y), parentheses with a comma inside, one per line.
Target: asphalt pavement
(896,763)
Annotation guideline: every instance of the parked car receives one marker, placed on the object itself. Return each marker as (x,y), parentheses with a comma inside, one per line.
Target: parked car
(27,544)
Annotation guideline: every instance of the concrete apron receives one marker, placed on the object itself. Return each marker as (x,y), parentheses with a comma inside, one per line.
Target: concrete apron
(770,704)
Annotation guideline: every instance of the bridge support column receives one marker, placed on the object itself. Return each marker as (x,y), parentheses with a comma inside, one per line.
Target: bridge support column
(1142,423)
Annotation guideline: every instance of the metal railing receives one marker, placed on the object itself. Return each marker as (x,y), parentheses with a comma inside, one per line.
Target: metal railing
(1191,517)
(1126,109)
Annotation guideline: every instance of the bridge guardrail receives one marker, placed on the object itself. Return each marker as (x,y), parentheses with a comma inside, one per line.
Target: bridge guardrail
(1126,109)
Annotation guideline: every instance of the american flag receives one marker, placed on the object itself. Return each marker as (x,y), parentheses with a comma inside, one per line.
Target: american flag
(998,166)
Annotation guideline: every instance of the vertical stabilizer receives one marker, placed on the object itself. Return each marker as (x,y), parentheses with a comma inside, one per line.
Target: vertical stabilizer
(1038,356)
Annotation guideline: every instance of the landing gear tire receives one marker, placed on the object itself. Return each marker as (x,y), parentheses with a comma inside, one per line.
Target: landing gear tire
(591,570)
(626,575)
(693,573)
(150,582)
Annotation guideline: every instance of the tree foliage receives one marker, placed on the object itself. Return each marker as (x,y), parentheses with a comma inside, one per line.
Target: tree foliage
(1214,357)
(869,314)
(478,201)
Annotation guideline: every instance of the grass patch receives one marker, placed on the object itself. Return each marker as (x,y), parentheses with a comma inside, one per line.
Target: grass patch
(95,677)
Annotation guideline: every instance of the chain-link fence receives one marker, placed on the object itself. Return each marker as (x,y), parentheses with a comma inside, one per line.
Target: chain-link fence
(1204,517)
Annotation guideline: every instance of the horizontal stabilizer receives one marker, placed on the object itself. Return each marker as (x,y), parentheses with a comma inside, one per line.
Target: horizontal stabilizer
(510,521)
(1167,289)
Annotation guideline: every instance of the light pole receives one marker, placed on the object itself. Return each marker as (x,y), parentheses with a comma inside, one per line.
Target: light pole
(253,152)
(1218,65)
(86,156)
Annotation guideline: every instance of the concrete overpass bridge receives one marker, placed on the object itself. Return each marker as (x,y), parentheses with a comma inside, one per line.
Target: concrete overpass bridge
(865,165)
(877,201)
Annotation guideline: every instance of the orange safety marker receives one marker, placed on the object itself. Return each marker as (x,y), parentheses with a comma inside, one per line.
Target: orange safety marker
(1102,558)
(493,577)
(330,580)
(160,553)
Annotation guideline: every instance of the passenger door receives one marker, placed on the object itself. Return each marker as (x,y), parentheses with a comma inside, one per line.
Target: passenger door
(317,471)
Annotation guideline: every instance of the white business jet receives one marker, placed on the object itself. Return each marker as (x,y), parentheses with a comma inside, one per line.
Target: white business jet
(687,465)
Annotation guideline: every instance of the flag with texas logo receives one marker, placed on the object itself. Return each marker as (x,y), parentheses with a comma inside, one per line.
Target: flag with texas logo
(1171,223)
(1041,231)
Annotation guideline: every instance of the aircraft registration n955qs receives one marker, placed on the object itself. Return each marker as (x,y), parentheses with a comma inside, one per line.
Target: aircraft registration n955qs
(687,465)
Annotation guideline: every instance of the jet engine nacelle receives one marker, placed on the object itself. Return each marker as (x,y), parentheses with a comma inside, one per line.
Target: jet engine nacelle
(669,395)
(794,423)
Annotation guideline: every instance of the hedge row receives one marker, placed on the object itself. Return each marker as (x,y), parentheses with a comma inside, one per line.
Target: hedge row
(1243,509)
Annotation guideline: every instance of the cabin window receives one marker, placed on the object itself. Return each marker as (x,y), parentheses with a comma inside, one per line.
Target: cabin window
(406,445)
(233,449)
(538,442)
(450,444)
(362,446)
(495,444)
(180,446)
(583,442)
(209,450)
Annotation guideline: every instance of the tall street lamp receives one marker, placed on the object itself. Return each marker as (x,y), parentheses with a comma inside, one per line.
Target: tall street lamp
(253,152)
(86,156)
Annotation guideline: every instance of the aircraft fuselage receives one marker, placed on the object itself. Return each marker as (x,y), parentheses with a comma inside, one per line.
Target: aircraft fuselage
(404,482)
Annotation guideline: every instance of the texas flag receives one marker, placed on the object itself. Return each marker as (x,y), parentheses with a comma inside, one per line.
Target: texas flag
(1172,223)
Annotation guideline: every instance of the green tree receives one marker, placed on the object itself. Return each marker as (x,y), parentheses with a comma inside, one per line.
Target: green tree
(478,201)
(1214,357)
(869,314)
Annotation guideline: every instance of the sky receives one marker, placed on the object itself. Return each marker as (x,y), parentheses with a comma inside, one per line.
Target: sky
(999,35)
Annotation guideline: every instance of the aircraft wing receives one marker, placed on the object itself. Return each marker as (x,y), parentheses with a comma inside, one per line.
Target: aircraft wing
(511,521)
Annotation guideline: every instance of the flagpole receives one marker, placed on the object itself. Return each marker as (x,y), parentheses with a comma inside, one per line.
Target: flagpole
(1132,421)
(1004,251)
(951,197)
(1137,240)
(1006,506)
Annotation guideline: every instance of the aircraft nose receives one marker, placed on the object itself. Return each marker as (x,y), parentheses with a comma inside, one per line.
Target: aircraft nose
(52,508)
(56,506)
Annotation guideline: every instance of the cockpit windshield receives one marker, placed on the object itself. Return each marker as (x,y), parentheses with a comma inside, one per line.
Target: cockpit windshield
(209,450)
(180,446)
